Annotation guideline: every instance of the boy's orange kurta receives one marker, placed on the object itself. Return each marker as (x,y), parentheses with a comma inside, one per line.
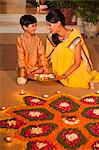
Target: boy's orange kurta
(31,53)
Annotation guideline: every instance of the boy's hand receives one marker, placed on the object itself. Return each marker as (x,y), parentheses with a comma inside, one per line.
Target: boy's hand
(39,71)
(46,70)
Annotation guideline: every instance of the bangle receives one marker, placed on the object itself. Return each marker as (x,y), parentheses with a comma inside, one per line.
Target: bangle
(65,75)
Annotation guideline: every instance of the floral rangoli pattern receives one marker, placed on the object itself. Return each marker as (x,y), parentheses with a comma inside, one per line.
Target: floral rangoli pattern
(91,112)
(90,100)
(93,128)
(64,105)
(35,114)
(95,145)
(71,138)
(40,130)
(43,145)
(31,100)
(12,123)
(59,122)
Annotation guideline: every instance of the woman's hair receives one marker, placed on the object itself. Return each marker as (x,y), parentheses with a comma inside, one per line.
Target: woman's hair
(27,19)
(55,15)
(55,39)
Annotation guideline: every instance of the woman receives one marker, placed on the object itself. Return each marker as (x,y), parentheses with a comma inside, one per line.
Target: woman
(70,58)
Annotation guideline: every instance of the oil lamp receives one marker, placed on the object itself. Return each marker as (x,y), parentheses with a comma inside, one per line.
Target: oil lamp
(8,139)
(3,108)
(45,96)
(97,92)
(22,92)
(58,92)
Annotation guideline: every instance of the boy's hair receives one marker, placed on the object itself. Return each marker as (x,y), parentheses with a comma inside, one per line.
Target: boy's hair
(27,19)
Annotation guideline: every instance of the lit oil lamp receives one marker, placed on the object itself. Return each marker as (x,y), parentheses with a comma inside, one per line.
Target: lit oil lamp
(22,92)
(3,108)
(97,92)
(45,96)
(58,92)
(8,139)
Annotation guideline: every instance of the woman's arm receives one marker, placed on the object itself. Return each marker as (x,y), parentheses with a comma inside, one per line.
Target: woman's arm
(76,64)
(77,60)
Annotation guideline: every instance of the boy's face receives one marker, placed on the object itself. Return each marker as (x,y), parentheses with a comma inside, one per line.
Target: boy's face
(31,28)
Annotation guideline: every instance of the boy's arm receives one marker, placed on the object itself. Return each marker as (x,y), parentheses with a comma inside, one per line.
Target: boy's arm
(42,56)
(21,55)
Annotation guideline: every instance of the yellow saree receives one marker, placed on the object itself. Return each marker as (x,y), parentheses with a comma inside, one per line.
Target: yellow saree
(63,57)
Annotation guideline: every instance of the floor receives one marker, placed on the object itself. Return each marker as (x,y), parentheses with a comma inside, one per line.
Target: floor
(9,90)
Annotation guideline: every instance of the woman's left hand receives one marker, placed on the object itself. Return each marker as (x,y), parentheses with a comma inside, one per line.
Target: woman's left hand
(60,77)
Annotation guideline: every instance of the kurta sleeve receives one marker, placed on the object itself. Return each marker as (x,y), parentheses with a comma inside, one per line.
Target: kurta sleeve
(21,53)
(41,54)
(49,47)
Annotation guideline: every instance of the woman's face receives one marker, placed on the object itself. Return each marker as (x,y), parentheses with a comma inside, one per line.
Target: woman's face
(53,27)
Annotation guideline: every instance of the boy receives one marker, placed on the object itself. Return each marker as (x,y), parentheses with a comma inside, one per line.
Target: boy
(31,53)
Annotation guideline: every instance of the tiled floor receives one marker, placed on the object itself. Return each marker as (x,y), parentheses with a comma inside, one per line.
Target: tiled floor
(9,90)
